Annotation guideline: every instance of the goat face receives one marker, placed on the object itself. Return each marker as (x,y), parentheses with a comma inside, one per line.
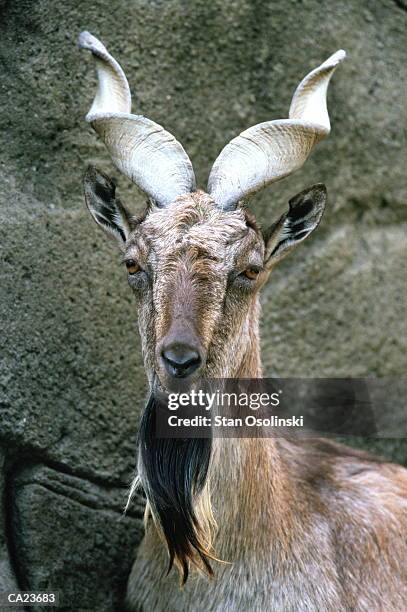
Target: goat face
(196,271)
(197,260)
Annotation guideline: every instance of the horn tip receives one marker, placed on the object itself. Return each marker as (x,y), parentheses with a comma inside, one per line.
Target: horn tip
(86,40)
(335,59)
(340,55)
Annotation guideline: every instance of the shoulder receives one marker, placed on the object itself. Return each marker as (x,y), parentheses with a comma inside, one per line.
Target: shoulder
(334,469)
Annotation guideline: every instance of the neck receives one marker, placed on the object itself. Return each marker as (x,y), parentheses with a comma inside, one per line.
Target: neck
(245,484)
(253,465)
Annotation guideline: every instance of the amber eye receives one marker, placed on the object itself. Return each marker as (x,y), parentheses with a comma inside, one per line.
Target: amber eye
(132,266)
(252,273)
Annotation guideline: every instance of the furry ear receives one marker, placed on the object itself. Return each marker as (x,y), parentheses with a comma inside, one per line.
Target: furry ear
(303,216)
(107,211)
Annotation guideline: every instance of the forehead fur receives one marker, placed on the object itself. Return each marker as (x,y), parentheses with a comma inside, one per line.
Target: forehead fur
(194,220)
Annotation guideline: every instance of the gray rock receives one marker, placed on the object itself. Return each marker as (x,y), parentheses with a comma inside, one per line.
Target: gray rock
(86,559)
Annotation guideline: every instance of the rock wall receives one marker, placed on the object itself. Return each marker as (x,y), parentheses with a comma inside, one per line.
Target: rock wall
(71,378)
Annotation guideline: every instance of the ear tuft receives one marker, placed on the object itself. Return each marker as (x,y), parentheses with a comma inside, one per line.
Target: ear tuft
(107,211)
(303,216)
(308,202)
(103,187)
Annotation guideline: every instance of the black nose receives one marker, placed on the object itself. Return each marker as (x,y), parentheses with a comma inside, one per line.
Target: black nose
(180,360)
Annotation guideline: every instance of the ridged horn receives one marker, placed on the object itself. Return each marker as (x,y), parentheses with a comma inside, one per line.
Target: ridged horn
(269,151)
(140,148)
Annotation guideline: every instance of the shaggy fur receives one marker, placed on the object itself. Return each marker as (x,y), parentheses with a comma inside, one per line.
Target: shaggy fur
(174,474)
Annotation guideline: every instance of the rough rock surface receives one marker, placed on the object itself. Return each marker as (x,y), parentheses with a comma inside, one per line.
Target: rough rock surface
(86,558)
(71,377)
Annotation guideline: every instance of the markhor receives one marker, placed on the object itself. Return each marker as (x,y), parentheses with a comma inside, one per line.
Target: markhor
(303,524)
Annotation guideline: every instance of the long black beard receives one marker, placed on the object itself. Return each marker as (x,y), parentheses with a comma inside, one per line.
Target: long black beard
(173,473)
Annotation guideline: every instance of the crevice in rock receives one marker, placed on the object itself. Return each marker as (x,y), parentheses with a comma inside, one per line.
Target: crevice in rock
(10,542)
(401,4)
(30,456)
(68,489)
(69,493)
